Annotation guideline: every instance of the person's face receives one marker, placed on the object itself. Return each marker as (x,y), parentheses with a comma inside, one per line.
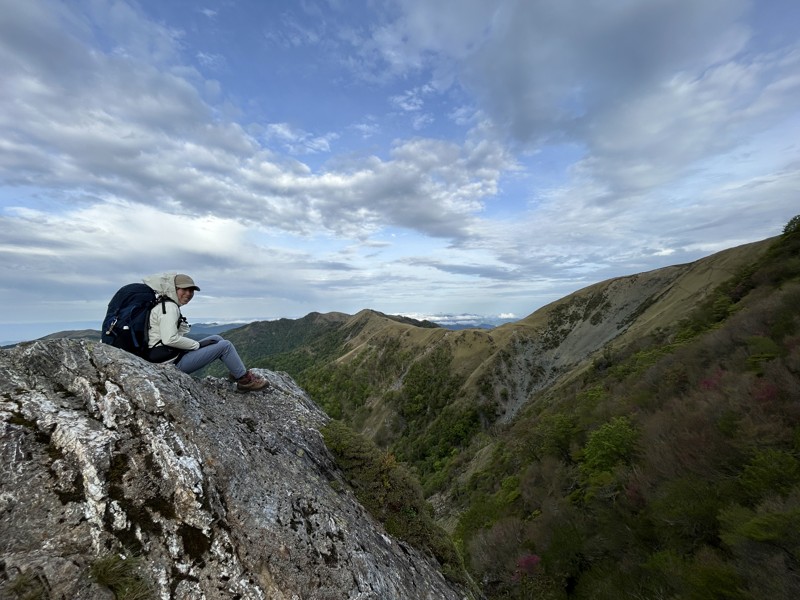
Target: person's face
(185,295)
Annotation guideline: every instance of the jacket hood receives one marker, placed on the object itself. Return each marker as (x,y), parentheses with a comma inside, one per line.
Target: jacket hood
(164,285)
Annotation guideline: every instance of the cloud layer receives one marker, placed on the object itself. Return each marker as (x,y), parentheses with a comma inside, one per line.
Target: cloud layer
(481,157)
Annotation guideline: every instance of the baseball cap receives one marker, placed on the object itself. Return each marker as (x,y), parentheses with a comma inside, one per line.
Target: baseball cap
(184,281)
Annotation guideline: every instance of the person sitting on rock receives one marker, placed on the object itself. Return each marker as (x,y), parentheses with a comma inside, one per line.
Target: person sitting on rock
(168,329)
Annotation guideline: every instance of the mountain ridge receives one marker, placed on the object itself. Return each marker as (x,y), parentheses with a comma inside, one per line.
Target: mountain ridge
(575,325)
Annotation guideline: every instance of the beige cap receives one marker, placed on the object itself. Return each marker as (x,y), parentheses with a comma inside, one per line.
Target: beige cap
(184,281)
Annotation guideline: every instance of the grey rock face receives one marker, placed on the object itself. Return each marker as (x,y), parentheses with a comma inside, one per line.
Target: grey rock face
(220,494)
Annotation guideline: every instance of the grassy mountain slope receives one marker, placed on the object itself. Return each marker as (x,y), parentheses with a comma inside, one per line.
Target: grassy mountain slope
(427,392)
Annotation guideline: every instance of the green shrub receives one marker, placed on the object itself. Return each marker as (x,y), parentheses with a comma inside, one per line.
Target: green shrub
(761,350)
(793,226)
(553,434)
(122,576)
(710,577)
(765,544)
(769,472)
(640,361)
(612,443)
(685,511)
(775,524)
(482,513)
(428,386)
(26,585)
(429,449)
(592,396)
(391,494)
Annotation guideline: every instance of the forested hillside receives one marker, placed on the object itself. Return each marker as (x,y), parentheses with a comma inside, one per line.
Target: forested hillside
(639,438)
(668,470)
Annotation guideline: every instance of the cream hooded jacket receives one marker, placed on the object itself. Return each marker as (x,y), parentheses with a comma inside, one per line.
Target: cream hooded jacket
(168,327)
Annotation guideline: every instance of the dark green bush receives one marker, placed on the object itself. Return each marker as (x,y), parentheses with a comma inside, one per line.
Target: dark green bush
(392,495)
(612,443)
(122,575)
(793,226)
(770,471)
(25,585)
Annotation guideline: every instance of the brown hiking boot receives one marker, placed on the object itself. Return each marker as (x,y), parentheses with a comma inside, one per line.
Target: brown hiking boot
(250,382)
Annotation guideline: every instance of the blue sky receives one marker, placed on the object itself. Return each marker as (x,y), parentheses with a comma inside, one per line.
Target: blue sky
(414,157)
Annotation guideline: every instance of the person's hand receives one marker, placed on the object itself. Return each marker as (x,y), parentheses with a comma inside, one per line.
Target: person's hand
(207,342)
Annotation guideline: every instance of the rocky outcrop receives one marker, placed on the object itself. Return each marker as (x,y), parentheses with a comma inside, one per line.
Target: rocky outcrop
(219,494)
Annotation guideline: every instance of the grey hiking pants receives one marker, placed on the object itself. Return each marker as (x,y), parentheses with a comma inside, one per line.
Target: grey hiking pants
(222,350)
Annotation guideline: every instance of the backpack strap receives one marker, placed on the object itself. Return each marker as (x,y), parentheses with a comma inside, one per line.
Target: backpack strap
(164,299)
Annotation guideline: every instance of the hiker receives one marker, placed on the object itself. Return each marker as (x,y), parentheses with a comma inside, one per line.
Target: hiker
(168,329)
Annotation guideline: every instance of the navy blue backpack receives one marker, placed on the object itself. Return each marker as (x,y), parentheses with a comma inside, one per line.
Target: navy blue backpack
(128,318)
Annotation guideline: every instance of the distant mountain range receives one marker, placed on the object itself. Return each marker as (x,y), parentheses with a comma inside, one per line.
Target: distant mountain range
(200,330)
